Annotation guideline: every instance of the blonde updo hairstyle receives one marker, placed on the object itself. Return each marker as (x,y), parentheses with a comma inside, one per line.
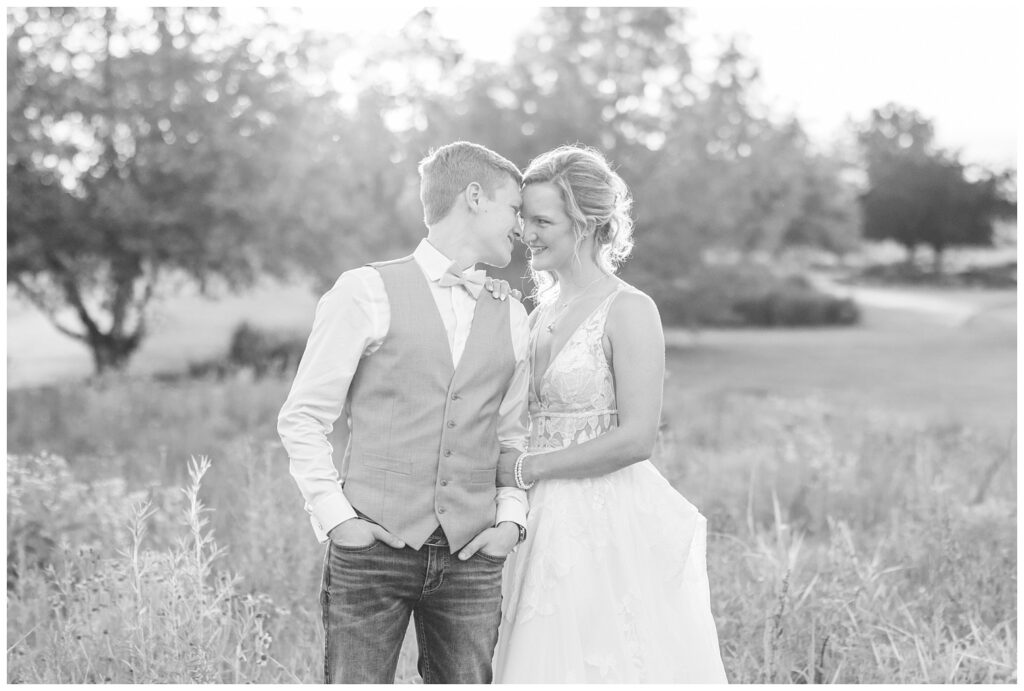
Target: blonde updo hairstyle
(595,198)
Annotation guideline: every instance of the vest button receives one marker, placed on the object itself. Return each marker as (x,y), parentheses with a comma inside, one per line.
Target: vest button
(441,509)
(451,423)
(444,483)
(456,396)
(447,452)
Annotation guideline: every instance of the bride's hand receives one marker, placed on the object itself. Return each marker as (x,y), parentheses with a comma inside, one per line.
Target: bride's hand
(494,542)
(500,289)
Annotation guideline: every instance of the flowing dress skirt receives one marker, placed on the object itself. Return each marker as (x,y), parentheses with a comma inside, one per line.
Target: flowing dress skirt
(611,585)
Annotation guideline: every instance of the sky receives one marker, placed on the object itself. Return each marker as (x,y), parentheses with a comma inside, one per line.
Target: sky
(956,62)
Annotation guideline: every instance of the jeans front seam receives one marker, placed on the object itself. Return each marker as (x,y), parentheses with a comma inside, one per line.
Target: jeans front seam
(421,641)
(433,555)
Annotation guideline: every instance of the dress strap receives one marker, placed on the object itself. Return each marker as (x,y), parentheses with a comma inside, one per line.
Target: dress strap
(601,313)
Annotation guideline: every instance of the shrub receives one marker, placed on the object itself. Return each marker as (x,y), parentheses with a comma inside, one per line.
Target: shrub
(265,351)
(749,295)
(792,306)
(252,350)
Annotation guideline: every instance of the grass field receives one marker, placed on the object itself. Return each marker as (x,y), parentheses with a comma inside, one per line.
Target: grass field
(860,487)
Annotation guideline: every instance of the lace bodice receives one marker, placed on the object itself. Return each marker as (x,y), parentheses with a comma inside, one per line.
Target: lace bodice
(575,398)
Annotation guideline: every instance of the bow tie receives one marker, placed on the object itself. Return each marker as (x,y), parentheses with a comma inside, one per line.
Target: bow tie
(472,280)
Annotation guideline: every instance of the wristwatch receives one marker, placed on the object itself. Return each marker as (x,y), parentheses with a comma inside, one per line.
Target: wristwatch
(522,531)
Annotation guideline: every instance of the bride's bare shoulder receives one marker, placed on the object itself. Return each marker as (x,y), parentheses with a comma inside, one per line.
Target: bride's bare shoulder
(632,310)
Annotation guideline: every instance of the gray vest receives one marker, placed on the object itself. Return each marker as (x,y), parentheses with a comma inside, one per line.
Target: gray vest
(423,448)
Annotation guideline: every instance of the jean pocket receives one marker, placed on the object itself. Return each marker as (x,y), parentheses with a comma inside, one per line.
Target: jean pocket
(355,549)
(493,559)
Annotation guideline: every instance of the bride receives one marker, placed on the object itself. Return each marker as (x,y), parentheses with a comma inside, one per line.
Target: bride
(611,583)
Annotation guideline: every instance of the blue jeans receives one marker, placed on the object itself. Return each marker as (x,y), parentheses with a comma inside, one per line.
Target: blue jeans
(368,594)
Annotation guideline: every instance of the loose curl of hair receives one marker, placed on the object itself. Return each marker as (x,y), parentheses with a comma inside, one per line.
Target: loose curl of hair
(596,199)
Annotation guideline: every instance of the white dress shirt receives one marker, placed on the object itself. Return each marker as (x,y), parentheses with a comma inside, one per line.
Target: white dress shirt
(351,322)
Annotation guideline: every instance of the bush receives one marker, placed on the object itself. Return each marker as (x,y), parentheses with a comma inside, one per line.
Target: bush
(796,307)
(749,295)
(254,350)
(265,351)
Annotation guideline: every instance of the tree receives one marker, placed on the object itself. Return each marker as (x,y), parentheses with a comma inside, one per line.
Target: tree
(706,164)
(919,194)
(729,177)
(829,216)
(142,148)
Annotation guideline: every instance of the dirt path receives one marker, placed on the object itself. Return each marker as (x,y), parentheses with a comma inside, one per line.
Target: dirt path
(953,307)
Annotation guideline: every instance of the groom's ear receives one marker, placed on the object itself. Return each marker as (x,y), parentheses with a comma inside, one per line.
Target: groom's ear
(473,194)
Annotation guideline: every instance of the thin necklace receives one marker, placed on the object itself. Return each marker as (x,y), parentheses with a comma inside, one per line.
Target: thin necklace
(565,305)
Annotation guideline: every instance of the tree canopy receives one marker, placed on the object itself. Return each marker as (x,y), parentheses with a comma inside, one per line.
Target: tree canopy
(919,194)
(147,147)
(140,148)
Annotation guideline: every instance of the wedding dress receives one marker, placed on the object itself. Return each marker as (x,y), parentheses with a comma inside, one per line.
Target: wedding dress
(611,583)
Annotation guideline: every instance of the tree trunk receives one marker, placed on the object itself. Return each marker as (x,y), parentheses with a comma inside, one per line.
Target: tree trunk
(911,255)
(937,266)
(112,353)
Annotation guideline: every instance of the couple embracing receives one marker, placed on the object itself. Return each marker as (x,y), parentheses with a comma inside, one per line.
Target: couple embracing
(496,485)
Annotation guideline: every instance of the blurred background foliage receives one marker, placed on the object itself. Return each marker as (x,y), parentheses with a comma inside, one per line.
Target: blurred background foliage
(860,484)
(145,151)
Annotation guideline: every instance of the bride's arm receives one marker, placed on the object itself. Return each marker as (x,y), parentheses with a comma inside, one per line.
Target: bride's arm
(638,364)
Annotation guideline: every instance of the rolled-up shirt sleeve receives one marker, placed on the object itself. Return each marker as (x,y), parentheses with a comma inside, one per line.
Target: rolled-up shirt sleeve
(513,416)
(351,322)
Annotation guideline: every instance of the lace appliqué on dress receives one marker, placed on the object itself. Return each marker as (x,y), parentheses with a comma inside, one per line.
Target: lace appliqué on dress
(576,400)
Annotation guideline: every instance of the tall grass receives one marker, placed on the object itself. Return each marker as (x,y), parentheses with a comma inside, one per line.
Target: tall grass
(845,547)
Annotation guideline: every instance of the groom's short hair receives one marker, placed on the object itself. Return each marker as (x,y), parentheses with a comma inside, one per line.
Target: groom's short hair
(447,171)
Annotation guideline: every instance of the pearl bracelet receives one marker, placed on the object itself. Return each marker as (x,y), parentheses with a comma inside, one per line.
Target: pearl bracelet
(518,472)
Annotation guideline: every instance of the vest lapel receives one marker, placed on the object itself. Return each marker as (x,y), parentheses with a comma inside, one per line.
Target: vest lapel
(424,300)
(479,329)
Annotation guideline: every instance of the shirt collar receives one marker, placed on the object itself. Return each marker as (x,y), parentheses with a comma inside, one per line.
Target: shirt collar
(432,260)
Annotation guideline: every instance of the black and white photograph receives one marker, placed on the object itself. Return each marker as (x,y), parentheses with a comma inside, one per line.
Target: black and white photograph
(468,344)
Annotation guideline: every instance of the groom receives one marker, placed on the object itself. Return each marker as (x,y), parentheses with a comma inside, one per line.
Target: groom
(432,373)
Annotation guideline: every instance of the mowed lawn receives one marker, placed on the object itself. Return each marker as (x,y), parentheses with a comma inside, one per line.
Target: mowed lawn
(947,355)
(912,364)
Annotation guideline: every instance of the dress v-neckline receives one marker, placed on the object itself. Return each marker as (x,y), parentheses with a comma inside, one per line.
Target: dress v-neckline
(538,384)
